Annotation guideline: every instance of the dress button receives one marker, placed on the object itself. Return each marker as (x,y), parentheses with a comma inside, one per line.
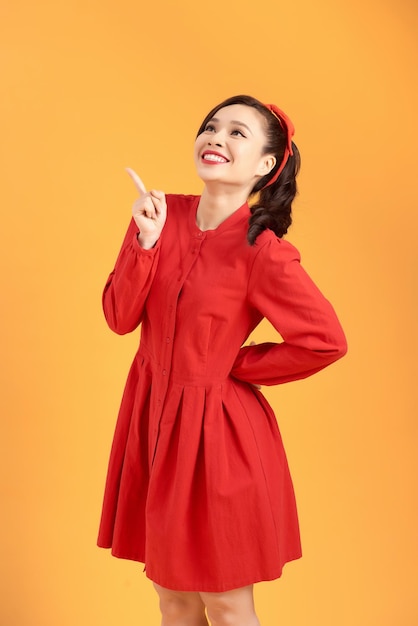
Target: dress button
(200,234)
(164,372)
(167,339)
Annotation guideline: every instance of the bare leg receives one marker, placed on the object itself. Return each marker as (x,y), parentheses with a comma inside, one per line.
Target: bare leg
(231,608)
(181,608)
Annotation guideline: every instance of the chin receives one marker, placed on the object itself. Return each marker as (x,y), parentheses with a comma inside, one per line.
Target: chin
(208,176)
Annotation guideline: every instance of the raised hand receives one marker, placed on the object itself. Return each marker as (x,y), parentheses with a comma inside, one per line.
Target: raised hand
(149,212)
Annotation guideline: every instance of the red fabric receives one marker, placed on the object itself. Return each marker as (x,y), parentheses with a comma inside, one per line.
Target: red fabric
(198,484)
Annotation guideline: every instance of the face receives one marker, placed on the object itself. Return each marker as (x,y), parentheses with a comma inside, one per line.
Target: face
(230,149)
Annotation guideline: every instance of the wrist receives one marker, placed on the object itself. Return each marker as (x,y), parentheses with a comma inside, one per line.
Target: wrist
(146,242)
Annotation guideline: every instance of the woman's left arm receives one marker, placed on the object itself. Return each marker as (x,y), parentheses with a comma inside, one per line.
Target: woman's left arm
(281,290)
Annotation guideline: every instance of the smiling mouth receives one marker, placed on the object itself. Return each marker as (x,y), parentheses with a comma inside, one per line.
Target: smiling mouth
(213,158)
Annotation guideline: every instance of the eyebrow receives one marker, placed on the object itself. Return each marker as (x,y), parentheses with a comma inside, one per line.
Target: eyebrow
(236,122)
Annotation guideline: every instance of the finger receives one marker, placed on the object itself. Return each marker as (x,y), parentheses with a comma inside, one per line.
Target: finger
(151,215)
(159,204)
(137,181)
(149,208)
(157,194)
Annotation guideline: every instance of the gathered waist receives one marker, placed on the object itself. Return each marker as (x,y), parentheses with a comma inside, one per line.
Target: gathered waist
(187,379)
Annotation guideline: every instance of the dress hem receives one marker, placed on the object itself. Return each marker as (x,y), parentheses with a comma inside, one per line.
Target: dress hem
(206,588)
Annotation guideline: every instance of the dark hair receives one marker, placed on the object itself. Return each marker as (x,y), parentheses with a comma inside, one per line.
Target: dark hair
(273,206)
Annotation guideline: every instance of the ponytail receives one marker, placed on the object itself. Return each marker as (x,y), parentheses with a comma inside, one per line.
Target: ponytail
(273,207)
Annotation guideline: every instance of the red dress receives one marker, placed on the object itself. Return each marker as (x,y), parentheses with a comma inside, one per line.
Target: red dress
(198,486)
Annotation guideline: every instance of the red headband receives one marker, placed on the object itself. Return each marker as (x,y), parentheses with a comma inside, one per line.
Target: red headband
(289,130)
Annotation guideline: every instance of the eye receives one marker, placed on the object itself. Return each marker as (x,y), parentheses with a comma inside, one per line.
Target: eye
(209,128)
(237,132)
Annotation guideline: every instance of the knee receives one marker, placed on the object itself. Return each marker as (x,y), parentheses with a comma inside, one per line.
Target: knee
(231,608)
(179,607)
(221,612)
(173,606)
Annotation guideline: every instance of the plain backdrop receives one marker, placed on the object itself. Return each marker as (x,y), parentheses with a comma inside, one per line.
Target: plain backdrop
(89,87)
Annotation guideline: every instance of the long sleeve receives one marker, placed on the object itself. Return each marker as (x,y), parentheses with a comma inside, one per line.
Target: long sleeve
(127,287)
(281,290)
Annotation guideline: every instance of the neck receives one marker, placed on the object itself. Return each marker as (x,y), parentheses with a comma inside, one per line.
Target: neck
(216,206)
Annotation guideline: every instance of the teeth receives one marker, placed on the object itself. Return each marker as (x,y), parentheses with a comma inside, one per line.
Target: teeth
(214,157)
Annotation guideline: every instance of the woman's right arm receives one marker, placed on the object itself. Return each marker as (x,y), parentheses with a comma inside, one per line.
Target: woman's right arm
(128,285)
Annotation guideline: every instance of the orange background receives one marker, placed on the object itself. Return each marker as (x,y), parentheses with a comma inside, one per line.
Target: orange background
(88,88)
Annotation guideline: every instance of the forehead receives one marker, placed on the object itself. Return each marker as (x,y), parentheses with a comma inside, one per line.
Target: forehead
(242,113)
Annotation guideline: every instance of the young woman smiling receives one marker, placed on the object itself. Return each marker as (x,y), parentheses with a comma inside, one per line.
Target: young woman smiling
(198,485)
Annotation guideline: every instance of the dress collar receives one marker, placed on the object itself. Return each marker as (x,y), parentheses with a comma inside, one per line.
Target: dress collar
(240,215)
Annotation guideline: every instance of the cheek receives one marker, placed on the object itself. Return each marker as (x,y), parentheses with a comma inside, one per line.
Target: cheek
(196,149)
(198,145)
(248,157)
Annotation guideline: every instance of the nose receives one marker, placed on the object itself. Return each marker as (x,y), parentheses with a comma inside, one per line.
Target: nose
(216,138)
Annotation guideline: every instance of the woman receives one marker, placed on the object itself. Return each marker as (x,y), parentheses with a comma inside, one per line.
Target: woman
(198,486)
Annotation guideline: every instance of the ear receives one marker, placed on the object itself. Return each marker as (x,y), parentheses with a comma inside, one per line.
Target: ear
(267,163)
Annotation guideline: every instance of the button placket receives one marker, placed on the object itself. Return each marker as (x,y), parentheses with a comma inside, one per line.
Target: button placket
(167,347)
(167,337)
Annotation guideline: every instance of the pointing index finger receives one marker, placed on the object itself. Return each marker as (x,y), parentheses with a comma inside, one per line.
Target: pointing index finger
(137,181)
